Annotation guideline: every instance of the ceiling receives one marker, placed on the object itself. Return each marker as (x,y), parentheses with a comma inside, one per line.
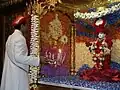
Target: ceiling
(69,1)
(3,1)
(87,1)
(78,3)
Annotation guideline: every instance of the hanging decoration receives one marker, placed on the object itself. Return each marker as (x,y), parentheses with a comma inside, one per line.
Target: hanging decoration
(34,47)
(34,43)
(37,10)
(101,11)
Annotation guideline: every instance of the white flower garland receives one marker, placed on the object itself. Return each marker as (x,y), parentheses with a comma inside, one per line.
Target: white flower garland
(104,51)
(34,47)
(97,14)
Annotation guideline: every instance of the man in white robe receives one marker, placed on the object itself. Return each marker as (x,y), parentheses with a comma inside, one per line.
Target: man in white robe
(17,61)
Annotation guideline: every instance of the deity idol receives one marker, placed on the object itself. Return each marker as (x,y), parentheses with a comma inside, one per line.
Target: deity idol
(101,51)
(101,47)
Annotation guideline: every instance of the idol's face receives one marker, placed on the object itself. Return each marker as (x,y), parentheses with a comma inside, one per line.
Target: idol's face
(101,35)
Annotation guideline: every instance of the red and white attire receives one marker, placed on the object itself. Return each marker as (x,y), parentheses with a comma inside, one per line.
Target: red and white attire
(101,50)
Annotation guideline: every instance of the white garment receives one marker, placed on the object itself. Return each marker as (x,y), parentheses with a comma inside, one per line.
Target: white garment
(16,63)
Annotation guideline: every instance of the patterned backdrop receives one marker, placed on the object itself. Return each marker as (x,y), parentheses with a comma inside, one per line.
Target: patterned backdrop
(55,36)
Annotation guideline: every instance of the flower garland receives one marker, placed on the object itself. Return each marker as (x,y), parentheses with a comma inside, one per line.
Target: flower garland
(103,50)
(101,12)
(34,48)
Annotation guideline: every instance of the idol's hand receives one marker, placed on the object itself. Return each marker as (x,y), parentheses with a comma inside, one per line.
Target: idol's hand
(106,51)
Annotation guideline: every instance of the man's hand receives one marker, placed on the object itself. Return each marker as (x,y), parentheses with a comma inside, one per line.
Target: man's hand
(43,60)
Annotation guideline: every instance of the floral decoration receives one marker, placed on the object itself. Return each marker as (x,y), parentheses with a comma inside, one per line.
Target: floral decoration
(99,13)
(104,50)
(64,39)
(34,48)
(82,55)
(55,28)
(55,43)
